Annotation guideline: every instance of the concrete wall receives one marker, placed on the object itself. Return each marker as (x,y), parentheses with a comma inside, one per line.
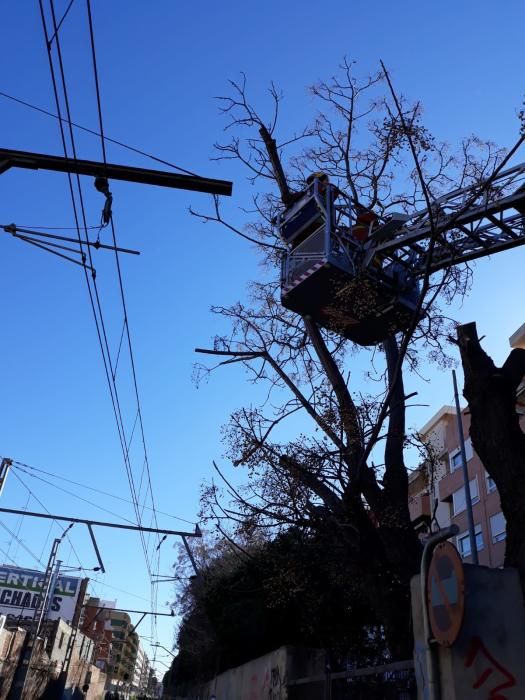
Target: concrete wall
(48,658)
(11,642)
(93,676)
(264,678)
(488,658)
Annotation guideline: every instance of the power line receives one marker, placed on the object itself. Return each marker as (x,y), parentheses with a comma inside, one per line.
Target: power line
(31,493)
(17,463)
(119,272)
(72,493)
(96,133)
(60,23)
(6,555)
(22,543)
(19,526)
(93,294)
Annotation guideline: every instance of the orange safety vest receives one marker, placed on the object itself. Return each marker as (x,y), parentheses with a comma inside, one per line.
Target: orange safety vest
(363,223)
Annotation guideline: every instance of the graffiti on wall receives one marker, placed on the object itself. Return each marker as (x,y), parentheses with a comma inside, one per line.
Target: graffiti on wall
(271,686)
(492,677)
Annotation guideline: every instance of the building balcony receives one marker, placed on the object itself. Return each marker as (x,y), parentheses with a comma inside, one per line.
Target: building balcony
(420,509)
(520,399)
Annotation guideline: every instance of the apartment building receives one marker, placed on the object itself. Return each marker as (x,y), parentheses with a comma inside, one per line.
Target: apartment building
(141,672)
(124,647)
(436,490)
(96,624)
(437,493)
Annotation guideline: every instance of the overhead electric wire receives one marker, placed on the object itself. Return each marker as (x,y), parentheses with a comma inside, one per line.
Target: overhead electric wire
(17,463)
(15,230)
(19,526)
(96,303)
(57,228)
(82,262)
(22,544)
(119,272)
(60,23)
(6,555)
(117,261)
(93,294)
(75,495)
(55,522)
(96,133)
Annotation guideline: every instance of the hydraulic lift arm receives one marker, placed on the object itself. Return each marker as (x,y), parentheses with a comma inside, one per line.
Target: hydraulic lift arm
(493,221)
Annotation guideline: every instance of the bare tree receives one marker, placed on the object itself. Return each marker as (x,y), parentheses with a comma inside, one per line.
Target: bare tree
(379,153)
(496,432)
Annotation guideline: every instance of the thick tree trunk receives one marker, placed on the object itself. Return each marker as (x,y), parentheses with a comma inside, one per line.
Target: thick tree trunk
(496,433)
(394,543)
(385,585)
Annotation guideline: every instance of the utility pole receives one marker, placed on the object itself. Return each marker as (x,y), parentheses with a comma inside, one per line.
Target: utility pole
(44,599)
(19,681)
(466,483)
(4,470)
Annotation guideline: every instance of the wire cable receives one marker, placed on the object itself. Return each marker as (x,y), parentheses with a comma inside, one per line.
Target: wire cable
(22,544)
(60,527)
(96,133)
(61,21)
(75,495)
(117,262)
(19,527)
(17,463)
(91,284)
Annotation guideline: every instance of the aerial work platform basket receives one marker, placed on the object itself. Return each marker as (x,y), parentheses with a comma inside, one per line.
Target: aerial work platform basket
(324,275)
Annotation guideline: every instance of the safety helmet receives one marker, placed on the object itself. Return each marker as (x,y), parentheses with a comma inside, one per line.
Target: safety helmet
(323,177)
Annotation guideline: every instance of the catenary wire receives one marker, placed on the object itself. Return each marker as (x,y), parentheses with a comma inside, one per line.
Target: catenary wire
(96,133)
(119,272)
(75,495)
(19,526)
(99,108)
(93,293)
(60,527)
(95,490)
(22,544)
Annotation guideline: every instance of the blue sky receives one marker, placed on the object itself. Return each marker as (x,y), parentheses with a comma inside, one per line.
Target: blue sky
(161,64)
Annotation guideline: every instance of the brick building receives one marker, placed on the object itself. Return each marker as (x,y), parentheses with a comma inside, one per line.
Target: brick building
(96,624)
(436,491)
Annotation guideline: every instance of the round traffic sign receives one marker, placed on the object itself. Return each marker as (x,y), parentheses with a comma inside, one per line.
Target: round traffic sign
(446,593)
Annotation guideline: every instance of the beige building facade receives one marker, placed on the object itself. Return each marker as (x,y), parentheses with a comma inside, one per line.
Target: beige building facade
(436,489)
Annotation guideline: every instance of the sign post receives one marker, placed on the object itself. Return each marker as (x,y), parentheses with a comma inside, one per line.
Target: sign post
(446,594)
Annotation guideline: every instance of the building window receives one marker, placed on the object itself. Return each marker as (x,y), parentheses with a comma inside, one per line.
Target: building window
(491,486)
(458,497)
(498,527)
(61,640)
(455,455)
(464,542)
(455,460)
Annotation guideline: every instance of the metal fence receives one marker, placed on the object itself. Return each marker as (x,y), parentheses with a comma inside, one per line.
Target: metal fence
(395,681)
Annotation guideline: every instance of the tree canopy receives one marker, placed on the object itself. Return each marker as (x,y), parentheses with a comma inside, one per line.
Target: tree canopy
(340,477)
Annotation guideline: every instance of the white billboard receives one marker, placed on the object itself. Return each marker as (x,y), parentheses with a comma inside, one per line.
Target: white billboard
(20,589)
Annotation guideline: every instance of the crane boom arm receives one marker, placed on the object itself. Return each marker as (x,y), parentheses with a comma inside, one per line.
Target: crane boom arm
(468,223)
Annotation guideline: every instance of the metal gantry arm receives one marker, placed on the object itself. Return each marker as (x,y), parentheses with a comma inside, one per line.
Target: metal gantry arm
(34,161)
